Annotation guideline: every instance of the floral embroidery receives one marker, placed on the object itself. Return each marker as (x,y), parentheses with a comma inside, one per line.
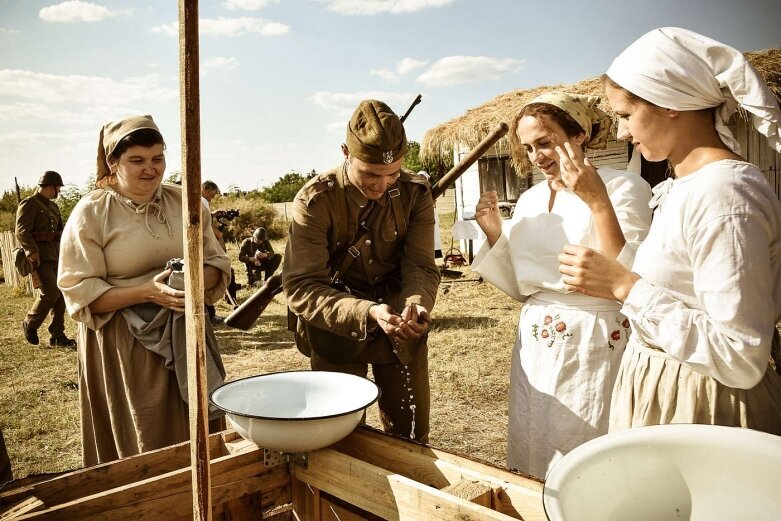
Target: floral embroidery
(550,331)
(616,334)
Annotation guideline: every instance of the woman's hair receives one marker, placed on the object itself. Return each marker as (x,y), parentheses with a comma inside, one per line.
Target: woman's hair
(144,137)
(543,111)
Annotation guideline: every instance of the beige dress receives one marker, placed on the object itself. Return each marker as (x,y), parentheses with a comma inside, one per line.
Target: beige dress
(703,315)
(130,403)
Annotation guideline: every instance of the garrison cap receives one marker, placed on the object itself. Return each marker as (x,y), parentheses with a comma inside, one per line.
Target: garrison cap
(375,133)
(50,177)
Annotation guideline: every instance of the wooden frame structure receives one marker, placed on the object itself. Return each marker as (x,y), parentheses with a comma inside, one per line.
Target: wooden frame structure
(367,476)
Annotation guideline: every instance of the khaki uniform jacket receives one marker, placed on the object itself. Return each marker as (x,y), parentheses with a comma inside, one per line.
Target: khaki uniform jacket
(316,234)
(38,214)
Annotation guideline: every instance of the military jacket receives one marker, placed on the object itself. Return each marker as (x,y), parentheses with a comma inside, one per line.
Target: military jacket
(316,235)
(249,248)
(39,227)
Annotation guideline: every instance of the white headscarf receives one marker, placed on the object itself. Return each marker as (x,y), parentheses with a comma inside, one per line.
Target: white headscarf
(679,69)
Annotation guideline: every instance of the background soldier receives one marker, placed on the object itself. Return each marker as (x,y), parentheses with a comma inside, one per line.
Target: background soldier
(367,227)
(258,256)
(38,229)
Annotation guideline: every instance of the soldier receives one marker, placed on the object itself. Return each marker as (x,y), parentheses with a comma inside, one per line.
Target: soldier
(258,256)
(38,229)
(359,273)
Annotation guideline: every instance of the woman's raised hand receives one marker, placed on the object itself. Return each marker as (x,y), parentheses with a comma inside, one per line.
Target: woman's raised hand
(488,216)
(159,292)
(579,175)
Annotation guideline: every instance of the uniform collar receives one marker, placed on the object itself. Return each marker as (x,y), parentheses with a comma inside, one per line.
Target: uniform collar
(355,193)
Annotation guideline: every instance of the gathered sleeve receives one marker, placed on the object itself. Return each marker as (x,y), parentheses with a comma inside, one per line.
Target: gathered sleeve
(730,337)
(494,264)
(82,266)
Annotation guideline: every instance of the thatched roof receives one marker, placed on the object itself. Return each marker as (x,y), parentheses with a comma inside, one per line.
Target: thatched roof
(476,123)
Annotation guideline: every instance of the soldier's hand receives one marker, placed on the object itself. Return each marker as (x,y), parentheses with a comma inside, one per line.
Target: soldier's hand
(387,318)
(416,320)
(159,292)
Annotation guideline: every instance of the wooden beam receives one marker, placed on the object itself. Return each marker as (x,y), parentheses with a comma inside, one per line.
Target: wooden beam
(473,490)
(384,493)
(518,496)
(192,208)
(171,491)
(106,476)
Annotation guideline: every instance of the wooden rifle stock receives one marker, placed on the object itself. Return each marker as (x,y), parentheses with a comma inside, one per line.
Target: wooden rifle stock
(455,172)
(245,315)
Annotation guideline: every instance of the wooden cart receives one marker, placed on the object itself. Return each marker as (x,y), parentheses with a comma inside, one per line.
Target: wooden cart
(367,476)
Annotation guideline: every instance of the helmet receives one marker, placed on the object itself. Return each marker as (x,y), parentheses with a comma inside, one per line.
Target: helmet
(50,177)
(260,234)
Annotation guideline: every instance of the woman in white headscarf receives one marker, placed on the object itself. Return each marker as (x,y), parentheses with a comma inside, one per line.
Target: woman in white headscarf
(704,295)
(112,272)
(568,346)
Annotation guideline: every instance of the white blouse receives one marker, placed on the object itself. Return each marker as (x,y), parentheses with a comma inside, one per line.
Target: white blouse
(711,266)
(524,260)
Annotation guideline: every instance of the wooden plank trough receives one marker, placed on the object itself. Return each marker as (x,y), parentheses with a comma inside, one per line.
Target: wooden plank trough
(367,476)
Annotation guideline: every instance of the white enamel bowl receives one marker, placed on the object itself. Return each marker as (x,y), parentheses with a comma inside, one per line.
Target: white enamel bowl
(295,411)
(675,472)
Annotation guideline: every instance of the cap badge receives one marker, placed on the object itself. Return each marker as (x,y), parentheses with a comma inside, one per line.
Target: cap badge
(387,157)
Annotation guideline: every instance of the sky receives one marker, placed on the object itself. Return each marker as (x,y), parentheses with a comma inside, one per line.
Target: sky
(280,78)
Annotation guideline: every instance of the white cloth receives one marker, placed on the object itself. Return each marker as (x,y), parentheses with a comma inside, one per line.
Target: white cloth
(682,70)
(569,346)
(711,266)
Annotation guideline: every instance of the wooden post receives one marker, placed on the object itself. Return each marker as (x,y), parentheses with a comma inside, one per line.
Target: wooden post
(193,257)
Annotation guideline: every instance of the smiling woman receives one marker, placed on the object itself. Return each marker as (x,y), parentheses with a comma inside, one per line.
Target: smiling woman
(132,385)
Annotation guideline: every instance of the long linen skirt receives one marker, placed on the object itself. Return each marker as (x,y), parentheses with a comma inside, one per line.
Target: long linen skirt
(653,388)
(130,403)
(564,365)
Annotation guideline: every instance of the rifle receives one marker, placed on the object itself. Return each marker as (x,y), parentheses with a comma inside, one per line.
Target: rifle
(414,102)
(245,315)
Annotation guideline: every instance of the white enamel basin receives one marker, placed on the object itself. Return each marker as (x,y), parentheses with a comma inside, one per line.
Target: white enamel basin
(295,411)
(669,472)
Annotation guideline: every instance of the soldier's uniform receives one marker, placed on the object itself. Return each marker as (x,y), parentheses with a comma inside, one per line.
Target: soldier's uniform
(395,266)
(267,266)
(38,229)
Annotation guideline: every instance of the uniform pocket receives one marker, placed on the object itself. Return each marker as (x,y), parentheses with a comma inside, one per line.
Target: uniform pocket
(388,232)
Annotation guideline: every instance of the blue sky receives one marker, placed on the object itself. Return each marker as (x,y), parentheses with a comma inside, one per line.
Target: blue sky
(279,78)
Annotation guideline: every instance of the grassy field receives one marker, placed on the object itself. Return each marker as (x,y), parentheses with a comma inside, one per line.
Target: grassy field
(472,333)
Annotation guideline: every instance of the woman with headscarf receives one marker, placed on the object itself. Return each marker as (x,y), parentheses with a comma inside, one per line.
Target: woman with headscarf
(568,346)
(703,320)
(112,272)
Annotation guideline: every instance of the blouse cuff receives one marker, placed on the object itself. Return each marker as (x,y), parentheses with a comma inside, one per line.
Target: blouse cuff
(640,300)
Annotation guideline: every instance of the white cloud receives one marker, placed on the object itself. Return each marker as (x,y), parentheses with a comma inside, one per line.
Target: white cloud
(403,67)
(22,111)
(387,75)
(247,5)
(408,65)
(74,11)
(228,27)
(220,63)
(3,30)
(345,103)
(454,70)
(77,89)
(372,7)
